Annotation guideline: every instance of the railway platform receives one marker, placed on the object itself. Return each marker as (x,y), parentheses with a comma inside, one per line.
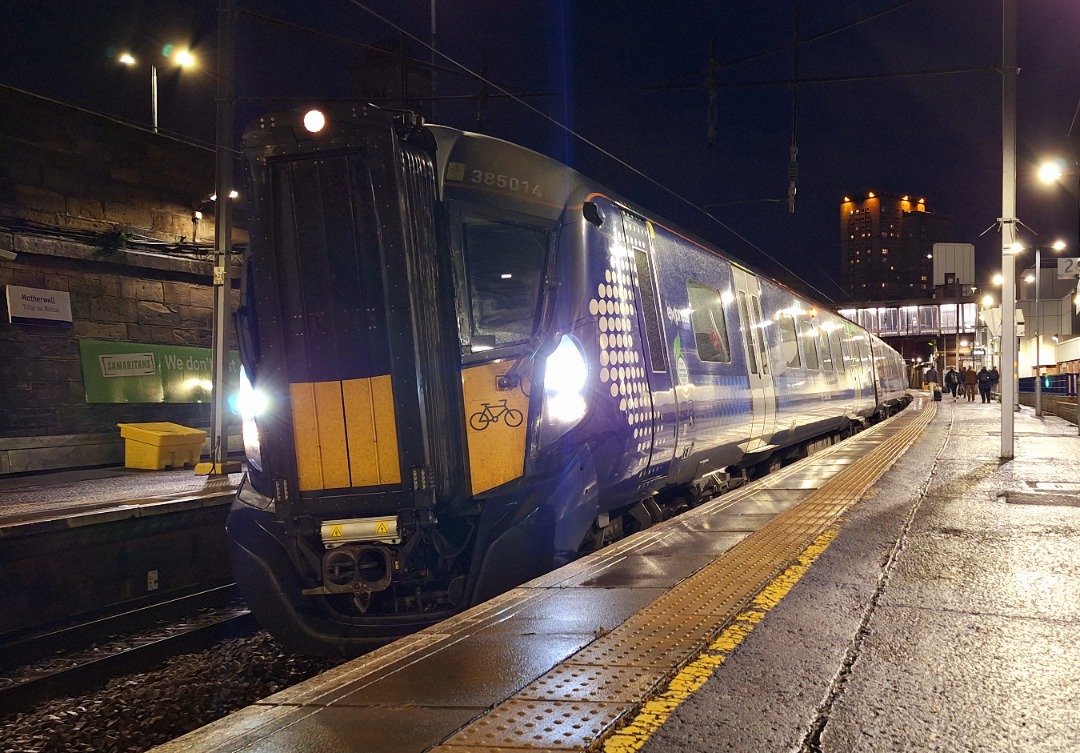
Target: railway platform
(89,493)
(903,590)
(82,544)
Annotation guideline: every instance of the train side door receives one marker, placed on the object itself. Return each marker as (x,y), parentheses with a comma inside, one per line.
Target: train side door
(658,414)
(762,388)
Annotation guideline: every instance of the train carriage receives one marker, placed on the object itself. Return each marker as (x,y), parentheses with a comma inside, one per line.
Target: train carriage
(466,364)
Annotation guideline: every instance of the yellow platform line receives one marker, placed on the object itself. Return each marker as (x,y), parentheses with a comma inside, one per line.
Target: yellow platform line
(654,713)
(717,608)
(853,483)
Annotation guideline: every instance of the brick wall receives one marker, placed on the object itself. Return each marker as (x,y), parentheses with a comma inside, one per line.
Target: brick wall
(103,211)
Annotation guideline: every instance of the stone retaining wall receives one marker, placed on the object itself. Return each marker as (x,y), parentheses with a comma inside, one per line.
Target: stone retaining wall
(102,211)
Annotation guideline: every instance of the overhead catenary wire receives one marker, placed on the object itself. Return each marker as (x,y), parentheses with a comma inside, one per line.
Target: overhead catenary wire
(788,47)
(588,142)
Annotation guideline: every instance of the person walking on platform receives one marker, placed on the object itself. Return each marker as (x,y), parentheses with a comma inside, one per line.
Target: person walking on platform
(986,382)
(970,381)
(952,382)
(931,379)
(995,377)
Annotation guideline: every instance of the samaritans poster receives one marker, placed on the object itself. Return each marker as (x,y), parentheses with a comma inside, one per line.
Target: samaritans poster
(120,372)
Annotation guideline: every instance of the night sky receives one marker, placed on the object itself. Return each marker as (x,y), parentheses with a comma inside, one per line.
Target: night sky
(628,77)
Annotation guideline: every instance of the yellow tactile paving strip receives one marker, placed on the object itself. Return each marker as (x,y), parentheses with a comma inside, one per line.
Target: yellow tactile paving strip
(694,625)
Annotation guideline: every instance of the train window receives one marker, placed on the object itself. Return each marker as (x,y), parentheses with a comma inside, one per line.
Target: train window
(744,316)
(759,335)
(808,335)
(789,342)
(846,349)
(823,348)
(710,327)
(648,310)
(837,351)
(504,265)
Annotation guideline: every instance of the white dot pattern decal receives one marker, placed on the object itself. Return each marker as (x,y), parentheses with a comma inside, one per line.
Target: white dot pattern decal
(622,363)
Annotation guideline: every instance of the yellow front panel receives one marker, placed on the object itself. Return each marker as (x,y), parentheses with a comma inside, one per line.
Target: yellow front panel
(496,422)
(345,434)
(360,424)
(386,444)
(371,424)
(331,418)
(306,436)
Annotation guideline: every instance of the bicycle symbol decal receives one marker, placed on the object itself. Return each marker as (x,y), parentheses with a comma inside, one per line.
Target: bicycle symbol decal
(492,412)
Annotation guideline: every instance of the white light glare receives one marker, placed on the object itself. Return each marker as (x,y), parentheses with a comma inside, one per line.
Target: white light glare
(565,378)
(314,121)
(250,401)
(1051,171)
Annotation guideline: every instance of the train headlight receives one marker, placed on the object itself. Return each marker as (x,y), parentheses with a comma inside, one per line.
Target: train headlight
(566,378)
(251,403)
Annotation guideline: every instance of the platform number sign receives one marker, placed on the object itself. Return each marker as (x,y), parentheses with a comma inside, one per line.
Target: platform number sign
(1068,268)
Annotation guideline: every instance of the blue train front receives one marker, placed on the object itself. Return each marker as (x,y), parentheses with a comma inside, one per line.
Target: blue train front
(466,365)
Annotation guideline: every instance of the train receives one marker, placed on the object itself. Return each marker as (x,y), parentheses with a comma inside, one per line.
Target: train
(465,364)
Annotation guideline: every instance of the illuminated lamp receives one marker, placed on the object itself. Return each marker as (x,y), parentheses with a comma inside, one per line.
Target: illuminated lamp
(314,121)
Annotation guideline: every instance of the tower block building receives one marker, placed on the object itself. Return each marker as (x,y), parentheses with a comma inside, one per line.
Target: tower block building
(886,246)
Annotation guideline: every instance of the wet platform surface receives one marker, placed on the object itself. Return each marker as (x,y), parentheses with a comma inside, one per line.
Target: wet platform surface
(906,590)
(596,655)
(36,501)
(944,615)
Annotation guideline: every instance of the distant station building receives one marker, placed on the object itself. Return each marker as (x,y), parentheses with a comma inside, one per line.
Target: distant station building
(886,246)
(959,324)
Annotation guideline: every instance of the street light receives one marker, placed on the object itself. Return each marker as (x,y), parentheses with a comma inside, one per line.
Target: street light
(182,58)
(1056,246)
(1052,172)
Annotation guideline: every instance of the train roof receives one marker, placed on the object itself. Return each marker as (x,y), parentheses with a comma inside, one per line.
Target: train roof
(474,166)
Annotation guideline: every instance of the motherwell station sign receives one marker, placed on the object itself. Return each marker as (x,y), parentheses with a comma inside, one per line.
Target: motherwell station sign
(37,306)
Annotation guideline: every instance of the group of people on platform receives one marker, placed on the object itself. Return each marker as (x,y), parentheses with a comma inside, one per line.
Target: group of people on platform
(967,380)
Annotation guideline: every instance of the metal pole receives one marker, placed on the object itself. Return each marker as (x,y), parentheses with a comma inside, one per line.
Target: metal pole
(1038,334)
(153,94)
(433,62)
(223,186)
(1008,226)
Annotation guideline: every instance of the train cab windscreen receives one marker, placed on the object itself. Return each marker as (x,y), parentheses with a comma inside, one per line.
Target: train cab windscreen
(504,270)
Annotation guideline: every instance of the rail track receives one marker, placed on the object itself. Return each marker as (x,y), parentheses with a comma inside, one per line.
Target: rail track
(80,657)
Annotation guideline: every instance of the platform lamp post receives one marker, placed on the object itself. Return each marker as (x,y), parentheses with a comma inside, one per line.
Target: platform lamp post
(223,181)
(1052,172)
(1008,222)
(1056,246)
(985,304)
(182,58)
